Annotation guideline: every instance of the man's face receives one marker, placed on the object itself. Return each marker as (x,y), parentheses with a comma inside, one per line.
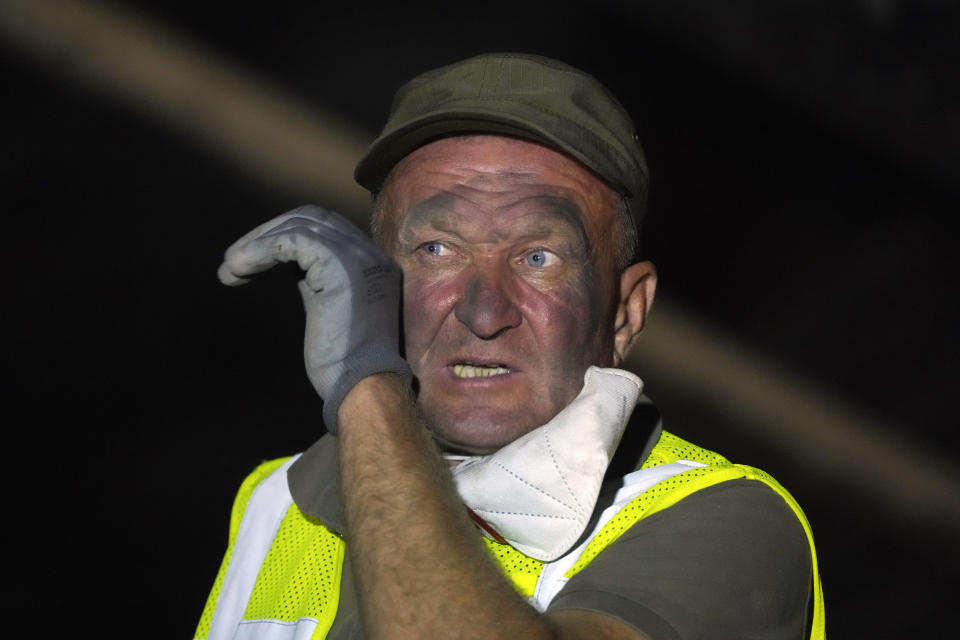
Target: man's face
(510,287)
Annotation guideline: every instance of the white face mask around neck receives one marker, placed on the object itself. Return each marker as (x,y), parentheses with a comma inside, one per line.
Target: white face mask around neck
(538,492)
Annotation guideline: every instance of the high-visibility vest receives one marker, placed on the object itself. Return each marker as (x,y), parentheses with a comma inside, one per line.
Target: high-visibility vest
(280,576)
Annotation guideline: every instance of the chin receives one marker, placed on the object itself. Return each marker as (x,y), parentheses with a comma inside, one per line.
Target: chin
(478,436)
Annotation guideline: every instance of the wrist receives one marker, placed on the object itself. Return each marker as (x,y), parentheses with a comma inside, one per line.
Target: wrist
(383,389)
(372,359)
(379,401)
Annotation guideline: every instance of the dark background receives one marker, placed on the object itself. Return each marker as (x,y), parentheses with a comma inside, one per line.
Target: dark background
(805,181)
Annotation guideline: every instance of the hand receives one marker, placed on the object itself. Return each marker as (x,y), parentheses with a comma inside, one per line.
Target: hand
(351,293)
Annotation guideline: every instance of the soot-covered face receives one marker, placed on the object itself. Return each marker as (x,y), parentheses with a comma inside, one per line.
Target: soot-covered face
(510,286)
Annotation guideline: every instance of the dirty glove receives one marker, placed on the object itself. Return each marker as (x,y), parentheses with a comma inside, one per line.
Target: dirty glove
(351,293)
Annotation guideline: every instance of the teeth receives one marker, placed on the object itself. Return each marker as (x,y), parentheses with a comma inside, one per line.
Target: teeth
(474,371)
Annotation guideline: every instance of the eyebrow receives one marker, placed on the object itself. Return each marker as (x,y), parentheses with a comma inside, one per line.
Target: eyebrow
(429,212)
(558,210)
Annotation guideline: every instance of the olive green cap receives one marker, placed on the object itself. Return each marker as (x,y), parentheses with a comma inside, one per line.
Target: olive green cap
(526,96)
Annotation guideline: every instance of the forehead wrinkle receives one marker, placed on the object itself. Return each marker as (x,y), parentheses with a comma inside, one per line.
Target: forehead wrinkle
(542,212)
(496,175)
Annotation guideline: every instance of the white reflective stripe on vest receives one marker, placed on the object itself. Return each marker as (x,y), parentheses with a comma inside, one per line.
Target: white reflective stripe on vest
(552,578)
(302,629)
(261,519)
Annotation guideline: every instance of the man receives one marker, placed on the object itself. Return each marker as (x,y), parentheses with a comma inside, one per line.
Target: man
(460,491)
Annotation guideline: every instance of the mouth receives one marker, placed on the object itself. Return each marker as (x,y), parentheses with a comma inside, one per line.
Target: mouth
(473,366)
(465,370)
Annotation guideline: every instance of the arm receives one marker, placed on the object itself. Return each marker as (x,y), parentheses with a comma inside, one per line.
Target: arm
(420,567)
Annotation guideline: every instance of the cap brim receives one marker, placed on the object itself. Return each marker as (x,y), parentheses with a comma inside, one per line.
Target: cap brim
(393,146)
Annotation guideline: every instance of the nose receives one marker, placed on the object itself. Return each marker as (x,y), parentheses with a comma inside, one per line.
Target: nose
(486,308)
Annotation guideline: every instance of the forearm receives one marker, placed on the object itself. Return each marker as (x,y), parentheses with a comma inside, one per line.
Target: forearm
(420,567)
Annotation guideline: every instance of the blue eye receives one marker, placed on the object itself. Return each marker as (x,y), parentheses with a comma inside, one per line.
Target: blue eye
(539,258)
(433,248)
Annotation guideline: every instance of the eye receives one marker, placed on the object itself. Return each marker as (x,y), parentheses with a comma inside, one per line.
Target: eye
(434,248)
(540,258)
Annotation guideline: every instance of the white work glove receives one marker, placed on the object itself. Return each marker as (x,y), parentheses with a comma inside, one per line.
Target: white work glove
(351,293)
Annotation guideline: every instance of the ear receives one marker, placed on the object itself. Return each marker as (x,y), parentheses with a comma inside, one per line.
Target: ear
(638,283)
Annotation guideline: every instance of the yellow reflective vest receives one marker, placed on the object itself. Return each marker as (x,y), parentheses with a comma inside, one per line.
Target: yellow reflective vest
(280,576)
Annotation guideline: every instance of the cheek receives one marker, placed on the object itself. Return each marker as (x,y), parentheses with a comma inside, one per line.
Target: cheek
(426,304)
(567,321)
